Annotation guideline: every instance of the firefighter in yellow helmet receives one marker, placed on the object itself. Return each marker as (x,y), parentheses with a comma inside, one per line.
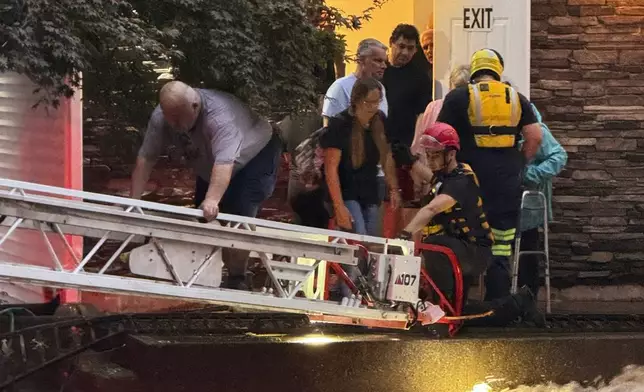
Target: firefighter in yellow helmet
(491,118)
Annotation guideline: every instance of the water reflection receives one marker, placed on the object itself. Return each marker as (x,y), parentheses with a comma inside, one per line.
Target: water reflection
(631,379)
(482,387)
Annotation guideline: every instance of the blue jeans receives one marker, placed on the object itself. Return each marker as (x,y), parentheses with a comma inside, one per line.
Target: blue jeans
(365,222)
(365,218)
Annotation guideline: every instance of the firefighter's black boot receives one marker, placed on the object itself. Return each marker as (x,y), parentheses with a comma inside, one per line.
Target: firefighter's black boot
(527,303)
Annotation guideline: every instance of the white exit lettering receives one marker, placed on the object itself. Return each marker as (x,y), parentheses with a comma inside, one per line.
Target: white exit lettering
(477,18)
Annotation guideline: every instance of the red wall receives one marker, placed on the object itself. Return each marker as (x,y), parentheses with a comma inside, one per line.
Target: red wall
(42,145)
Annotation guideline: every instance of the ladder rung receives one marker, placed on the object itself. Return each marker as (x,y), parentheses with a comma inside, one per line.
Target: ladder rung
(289,271)
(292,276)
(532,252)
(290,266)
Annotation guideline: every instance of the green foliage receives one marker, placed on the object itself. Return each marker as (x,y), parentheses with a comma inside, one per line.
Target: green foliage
(273,54)
(51,42)
(261,51)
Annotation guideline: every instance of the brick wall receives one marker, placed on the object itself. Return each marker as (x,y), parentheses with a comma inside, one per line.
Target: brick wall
(588,81)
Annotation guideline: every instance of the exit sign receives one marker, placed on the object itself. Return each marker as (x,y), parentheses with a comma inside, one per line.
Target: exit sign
(477,18)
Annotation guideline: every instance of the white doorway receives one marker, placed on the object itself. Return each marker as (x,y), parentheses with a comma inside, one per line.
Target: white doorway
(463,26)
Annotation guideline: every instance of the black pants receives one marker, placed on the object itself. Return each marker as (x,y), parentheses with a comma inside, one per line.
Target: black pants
(310,210)
(506,311)
(529,264)
(473,261)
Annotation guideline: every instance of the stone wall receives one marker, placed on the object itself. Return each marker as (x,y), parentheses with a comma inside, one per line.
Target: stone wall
(588,81)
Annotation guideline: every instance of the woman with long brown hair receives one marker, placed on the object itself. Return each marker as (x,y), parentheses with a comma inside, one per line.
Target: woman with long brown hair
(354,144)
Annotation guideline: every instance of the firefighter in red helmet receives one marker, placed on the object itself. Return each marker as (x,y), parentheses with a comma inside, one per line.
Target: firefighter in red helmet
(452,216)
(452,213)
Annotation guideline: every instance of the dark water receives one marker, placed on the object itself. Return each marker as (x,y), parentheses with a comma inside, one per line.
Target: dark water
(328,362)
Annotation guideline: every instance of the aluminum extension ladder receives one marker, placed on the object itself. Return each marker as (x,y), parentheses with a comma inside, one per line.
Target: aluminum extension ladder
(178,255)
(542,206)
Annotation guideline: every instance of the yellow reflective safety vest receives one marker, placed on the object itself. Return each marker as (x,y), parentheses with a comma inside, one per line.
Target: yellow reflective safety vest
(454,221)
(494,112)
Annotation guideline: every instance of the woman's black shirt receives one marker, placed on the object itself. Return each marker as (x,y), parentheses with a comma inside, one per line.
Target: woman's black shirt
(359,184)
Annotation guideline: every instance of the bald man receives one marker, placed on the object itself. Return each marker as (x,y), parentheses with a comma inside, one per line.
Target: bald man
(233,151)
(427,43)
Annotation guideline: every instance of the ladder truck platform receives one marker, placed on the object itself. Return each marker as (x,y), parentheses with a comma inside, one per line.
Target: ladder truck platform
(173,254)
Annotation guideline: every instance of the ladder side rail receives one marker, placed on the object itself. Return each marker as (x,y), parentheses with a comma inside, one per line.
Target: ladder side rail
(109,212)
(135,286)
(74,231)
(341,253)
(192,212)
(304,273)
(192,233)
(299,277)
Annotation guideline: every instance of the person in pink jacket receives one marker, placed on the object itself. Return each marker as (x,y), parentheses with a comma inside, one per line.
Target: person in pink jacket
(460,76)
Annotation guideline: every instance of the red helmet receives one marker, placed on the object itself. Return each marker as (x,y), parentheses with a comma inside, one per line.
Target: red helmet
(440,136)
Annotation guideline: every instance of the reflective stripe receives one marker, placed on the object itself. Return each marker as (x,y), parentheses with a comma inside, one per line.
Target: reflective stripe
(498,251)
(503,242)
(477,105)
(433,229)
(516,106)
(507,231)
(504,235)
(470,172)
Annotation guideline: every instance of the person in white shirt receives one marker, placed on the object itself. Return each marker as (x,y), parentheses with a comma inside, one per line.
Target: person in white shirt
(372,62)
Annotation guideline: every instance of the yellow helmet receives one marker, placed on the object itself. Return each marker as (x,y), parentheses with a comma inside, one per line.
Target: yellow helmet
(486,59)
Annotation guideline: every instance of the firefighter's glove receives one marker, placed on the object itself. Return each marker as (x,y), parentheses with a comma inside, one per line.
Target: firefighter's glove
(405,235)
(402,155)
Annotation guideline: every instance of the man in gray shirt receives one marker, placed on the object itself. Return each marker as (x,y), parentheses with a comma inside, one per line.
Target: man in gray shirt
(233,151)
